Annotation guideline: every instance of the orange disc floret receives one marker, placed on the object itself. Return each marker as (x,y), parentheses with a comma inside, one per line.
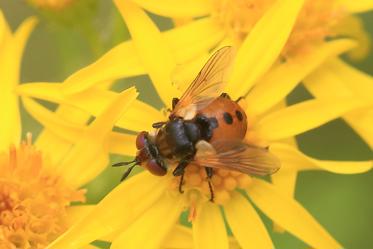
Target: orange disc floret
(223,182)
(33,200)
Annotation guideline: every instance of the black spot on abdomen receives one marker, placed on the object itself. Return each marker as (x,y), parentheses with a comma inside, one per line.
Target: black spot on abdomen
(239,115)
(228,118)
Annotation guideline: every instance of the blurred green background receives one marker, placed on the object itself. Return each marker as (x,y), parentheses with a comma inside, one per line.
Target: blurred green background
(67,40)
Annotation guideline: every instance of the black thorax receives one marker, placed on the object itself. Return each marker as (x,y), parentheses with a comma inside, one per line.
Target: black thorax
(178,137)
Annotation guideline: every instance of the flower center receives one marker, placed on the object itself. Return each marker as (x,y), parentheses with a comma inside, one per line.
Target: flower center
(315,21)
(223,182)
(33,200)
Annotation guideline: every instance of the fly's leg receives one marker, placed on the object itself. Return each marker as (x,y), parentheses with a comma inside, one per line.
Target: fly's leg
(180,171)
(239,99)
(181,182)
(225,95)
(209,173)
(174,102)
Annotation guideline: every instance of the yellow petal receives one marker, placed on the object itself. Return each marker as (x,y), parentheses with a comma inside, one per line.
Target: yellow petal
(157,222)
(361,122)
(170,8)
(84,161)
(59,134)
(89,155)
(282,78)
(186,42)
(209,229)
(122,144)
(104,123)
(76,213)
(5,32)
(263,45)
(293,158)
(336,78)
(59,127)
(89,144)
(305,116)
(348,77)
(93,101)
(353,27)
(22,34)
(152,49)
(246,225)
(185,73)
(133,121)
(285,178)
(10,60)
(53,145)
(357,6)
(90,247)
(117,210)
(284,181)
(192,40)
(181,238)
(291,215)
(121,61)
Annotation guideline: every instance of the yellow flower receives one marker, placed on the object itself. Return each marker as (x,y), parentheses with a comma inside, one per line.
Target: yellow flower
(305,48)
(148,205)
(39,183)
(235,19)
(11,49)
(194,39)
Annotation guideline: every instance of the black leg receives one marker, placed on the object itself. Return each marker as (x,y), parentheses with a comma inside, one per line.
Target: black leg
(174,102)
(180,171)
(209,173)
(239,99)
(225,95)
(181,183)
(127,172)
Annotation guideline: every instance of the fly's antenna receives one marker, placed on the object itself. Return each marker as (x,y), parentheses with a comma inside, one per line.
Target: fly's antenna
(120,164)
(126,174)
(134,163)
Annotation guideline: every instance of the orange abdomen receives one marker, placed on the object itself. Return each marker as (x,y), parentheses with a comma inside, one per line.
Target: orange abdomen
(231,118)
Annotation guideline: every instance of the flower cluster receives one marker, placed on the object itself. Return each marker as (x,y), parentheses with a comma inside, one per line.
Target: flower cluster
(280,45)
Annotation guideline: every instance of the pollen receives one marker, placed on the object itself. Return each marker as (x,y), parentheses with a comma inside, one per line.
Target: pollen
(223,183)
(33,200)
(315,22)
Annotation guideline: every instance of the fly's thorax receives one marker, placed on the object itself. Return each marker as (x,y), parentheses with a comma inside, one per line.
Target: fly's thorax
(177,138)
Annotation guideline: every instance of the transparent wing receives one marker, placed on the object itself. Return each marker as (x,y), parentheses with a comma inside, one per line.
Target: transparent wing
(208,84)
(238,156)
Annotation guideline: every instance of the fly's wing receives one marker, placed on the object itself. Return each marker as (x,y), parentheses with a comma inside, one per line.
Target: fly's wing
(237,156)
(208,84)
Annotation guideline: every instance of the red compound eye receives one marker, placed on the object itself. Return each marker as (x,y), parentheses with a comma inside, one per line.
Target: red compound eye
(155,168)
(140,140)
